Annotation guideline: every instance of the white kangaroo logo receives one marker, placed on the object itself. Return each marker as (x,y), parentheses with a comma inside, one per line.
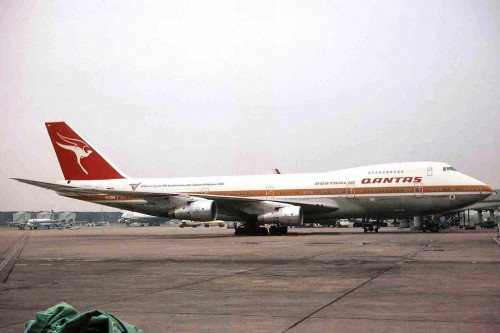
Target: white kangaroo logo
(79,147)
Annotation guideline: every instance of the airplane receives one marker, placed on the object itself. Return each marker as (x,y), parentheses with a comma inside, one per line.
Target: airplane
(394,190)
(129,217)
(34,224)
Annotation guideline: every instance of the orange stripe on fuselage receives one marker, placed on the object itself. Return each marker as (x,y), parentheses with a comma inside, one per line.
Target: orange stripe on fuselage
(313,191)
(349,190)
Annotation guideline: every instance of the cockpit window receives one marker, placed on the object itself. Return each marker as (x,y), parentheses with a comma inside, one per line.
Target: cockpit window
(449,169)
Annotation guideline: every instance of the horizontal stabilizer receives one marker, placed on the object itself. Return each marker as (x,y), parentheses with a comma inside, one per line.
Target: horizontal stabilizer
(48,186)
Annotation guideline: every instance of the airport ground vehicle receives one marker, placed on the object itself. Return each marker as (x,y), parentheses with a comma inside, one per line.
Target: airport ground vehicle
(343,223)
(431,225)
(219,224)
(372,224)
(488,224)
(191,224)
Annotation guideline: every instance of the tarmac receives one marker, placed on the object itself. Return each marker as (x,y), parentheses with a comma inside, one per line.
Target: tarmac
(168,279)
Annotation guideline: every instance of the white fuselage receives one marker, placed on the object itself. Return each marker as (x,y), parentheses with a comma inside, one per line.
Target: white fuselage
(385,190)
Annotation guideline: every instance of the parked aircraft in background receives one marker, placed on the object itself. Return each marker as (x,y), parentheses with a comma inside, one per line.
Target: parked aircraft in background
(387,190)
(34,224)
(129,217)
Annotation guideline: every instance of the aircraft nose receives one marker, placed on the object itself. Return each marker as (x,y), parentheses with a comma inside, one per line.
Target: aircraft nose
(484,188)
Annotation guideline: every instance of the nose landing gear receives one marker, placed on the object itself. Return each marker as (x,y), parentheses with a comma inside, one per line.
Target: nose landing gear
(371,225)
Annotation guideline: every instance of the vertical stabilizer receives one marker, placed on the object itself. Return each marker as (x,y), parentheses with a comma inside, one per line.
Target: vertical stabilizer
(78,159)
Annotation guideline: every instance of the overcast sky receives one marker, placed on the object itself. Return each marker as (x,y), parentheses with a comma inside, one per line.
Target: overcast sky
(206,88)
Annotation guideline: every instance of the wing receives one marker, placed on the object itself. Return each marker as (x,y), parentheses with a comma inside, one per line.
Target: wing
(313,205)
(226,203)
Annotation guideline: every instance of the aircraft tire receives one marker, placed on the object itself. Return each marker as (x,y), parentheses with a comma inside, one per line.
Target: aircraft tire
(273,230)
(365,230)
(252,232)
(263,231)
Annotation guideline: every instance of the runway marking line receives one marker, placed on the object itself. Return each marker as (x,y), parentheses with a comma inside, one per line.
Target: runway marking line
(18,247)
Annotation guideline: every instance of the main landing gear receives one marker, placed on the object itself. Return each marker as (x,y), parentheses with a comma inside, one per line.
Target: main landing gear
(277,230)
(252,230)
(371,228)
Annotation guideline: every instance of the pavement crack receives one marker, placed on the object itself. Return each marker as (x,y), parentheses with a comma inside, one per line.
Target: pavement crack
(211,279)
(400,262)
(179,286)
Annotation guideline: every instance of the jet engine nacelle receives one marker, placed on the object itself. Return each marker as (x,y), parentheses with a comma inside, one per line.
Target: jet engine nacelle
(202,211)
(285,216)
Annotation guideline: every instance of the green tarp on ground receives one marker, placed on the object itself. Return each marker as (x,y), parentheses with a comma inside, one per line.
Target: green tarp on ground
(63,318)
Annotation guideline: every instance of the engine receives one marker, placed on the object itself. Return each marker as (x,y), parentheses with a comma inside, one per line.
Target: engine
(285,216)
(202,211)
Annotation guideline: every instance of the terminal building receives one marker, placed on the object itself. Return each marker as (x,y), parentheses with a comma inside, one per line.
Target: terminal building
(21,217)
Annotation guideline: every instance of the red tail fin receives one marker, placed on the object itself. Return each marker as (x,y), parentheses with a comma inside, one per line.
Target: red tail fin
(78,159)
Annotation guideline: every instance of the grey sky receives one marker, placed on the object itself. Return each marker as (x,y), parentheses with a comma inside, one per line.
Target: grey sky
(200,88)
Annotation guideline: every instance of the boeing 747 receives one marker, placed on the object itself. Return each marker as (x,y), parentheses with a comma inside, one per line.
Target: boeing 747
(266,203)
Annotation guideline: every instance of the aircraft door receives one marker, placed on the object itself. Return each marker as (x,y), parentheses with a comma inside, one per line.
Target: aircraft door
(350,191)
(418,190)
(204,190)
(269,192)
